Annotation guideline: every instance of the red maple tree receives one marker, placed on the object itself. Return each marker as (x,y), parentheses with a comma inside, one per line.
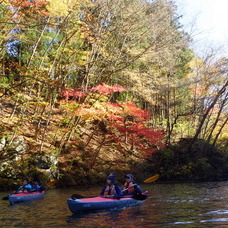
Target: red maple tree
(129,129)
(70,93)
(105,89)
(126,122)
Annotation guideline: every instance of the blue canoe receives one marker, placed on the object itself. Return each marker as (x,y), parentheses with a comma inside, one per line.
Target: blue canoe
(99,203)
(22,197)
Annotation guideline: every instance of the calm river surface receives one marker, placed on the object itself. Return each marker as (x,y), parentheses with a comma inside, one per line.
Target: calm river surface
(168,205)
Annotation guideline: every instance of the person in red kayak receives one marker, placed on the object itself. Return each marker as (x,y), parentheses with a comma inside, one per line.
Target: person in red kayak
(130,187)
(25,187)
(37,187)
(111,190)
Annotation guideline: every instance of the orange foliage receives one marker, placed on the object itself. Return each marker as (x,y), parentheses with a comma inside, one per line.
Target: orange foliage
(25,7)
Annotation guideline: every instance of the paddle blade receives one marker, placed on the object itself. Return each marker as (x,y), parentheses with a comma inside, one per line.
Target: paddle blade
(140,197)
(52,182)
(151,179)
(5,198)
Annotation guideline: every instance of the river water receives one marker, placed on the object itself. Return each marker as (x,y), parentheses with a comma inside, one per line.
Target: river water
(168,205)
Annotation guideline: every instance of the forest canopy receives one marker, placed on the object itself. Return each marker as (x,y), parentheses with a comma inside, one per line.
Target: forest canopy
(90,87)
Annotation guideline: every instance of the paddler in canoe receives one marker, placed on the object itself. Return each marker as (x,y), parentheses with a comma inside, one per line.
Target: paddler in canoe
(37,187)
(111,189)
(25,187)
(130,188)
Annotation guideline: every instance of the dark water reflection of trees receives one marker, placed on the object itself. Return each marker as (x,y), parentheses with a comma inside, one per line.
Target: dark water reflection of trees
(168,205)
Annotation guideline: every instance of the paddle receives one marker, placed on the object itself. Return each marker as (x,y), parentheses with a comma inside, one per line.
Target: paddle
(128,188)
(151,179)
(7,197)
(52,182)
(139,196)
(136,196)
(78,196)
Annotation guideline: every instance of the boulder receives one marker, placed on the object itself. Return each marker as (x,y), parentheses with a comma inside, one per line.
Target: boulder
(2,143)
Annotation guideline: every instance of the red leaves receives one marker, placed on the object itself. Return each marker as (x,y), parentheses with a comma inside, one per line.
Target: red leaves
(25,7)
(36,4)
(135,111)
(69,93)
(105,89)
(126,122)
(143,138)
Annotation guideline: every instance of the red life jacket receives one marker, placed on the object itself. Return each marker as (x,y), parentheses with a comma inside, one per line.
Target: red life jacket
(130,186)
(110,190)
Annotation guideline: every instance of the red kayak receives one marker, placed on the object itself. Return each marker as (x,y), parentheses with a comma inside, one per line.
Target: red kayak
(22,197)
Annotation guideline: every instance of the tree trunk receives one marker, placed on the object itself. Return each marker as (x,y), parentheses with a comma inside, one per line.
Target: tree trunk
(220,130)
(220,92)
(217,118)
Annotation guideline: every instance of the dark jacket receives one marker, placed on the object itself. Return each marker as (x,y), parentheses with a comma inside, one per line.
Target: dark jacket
(37,188)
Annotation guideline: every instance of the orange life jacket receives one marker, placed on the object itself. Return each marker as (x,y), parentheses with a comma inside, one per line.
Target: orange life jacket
(130,187)
(110,190)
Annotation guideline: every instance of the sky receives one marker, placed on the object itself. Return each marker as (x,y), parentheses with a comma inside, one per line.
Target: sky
(207,23)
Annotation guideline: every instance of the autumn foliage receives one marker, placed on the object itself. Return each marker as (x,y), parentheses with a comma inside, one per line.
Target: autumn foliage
(70,93)
(27,8)
(125,122)
(64,68)
(105,89)
(132,133)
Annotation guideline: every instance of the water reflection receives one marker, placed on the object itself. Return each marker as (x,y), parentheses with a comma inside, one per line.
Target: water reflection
(109,217)
(168,205)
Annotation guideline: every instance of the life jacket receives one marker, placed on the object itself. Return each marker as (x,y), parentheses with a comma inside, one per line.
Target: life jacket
(130,186)
(36,188)
(26,188)
(110,190)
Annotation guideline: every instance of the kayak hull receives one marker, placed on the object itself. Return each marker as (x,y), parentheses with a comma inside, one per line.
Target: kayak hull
(22,197)
(99,203)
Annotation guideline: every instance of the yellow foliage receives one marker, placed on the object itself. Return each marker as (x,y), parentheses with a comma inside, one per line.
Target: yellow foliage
(6,2)
(62,8)
(224,135)
(10,120)
(23,97)
(196,62)
(58,8)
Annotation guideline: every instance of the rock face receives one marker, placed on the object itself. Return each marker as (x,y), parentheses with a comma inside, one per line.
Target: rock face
(10,153)
(19,145)
(47,164)
(12,149)
(2,143)
(17,163)
(46,161)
